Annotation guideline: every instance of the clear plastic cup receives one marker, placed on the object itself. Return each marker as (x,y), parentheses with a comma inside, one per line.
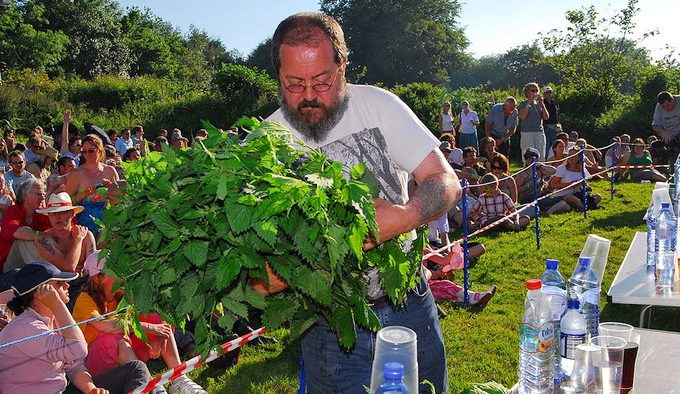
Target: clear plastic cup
(608,363)
(396,344)
(597,248)
(632,338)
(582,378)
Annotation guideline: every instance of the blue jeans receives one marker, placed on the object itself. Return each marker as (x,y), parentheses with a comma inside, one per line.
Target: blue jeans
(331,369)
(550,135)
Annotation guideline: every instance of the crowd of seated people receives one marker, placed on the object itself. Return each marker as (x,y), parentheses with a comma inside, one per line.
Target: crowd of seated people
(50,200)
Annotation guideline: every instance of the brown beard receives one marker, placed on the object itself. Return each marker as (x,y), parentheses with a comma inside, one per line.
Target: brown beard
(316,130)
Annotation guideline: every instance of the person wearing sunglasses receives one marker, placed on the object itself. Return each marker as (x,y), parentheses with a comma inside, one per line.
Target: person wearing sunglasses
(89,183)
(532,113)
(500,167)
(18,174)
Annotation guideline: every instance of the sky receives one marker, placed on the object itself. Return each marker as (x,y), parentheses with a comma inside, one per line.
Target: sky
(491,26)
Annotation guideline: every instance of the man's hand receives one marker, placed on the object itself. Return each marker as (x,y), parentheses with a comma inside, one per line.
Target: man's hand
(98,390)
(390,219)
(67,116)
(78,232)
(666,136)
(276,283)
(49,296)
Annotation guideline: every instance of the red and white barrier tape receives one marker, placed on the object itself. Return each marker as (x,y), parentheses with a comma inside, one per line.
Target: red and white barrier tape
(637,167)
(196,362)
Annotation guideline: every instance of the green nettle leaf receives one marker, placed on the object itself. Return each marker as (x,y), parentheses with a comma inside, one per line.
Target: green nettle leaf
(196,252)
(267,230)
(235,307)
(357,171)
(167,226)
(197,225)
(279,309)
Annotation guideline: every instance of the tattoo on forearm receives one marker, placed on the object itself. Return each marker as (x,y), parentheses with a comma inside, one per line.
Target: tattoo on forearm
(432,198)
(47,245)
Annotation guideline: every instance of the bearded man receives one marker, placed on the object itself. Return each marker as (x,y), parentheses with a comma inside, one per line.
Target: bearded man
(356,124)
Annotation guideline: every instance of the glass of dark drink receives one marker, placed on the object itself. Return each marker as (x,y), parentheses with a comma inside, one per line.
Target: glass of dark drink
(632,338)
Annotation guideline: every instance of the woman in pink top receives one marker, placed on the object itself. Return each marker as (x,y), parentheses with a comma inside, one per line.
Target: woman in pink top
(53,362)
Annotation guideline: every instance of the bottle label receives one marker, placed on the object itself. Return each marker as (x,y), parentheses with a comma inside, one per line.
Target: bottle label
(536,339)
(568,343)
(558,301)
(591,296)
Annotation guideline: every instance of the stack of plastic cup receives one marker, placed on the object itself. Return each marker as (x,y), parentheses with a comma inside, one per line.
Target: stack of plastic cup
(608,363)
(396,344)
(597,248)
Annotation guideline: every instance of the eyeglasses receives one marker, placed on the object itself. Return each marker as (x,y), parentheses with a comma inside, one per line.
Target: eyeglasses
(18,162)
(78,145)
(320,87)
(89,150)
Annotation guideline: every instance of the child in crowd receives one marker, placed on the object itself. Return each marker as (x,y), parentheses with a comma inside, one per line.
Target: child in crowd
(107,344)
(493,204)
(438,270)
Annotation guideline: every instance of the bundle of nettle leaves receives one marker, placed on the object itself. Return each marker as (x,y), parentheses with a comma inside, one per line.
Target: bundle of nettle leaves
(197,224)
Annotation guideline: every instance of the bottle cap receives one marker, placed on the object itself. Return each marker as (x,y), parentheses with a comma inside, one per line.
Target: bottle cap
(551,264)
(584,262)
(665,205)
(534,284)
(393,371)
(573,303)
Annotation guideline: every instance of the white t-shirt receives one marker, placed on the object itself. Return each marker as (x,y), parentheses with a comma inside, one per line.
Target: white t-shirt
(456,156)
(568,177)
(466,125)
(381,131)
(670,120)
(447,122)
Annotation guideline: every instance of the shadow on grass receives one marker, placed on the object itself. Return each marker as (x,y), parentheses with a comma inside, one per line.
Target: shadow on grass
(621,219)
(250,373)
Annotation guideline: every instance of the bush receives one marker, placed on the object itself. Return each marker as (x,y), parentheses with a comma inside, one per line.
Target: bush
(244,89)
(111,92)
(22,109)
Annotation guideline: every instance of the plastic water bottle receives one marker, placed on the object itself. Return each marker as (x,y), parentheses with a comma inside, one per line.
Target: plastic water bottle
(554,288)
(536,342)
(572,334)
(585,287)
(666,226)
(651,238)
(676,178)
(394,382)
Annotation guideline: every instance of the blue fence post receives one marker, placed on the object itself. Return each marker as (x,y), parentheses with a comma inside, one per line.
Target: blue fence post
(466,257)
(584,194)
(301,377)
(613,170)
(537,211)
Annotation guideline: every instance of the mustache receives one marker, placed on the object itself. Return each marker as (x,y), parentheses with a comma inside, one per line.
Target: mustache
(310,104)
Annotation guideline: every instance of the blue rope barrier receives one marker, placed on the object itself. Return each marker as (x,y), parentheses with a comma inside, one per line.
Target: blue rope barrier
(466,256)
(537,210)
(42,334)
(584,195)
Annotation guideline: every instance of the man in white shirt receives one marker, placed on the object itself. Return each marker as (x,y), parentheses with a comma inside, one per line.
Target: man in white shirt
(124,142)
(362,124)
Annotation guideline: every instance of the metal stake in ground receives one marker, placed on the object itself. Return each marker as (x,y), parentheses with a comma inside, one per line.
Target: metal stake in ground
(584,195)
(613,171)
(466,257)
(536,209)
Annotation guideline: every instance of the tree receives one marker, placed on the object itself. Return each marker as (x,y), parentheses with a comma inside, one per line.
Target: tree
(401,41)
(24,46)
(597,55)
(155,46)
(261,57)
(94,29)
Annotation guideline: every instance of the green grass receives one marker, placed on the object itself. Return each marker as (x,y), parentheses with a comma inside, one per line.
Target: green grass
(481,344)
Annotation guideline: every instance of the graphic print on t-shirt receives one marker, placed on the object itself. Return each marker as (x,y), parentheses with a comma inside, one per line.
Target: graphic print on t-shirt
(369,147)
